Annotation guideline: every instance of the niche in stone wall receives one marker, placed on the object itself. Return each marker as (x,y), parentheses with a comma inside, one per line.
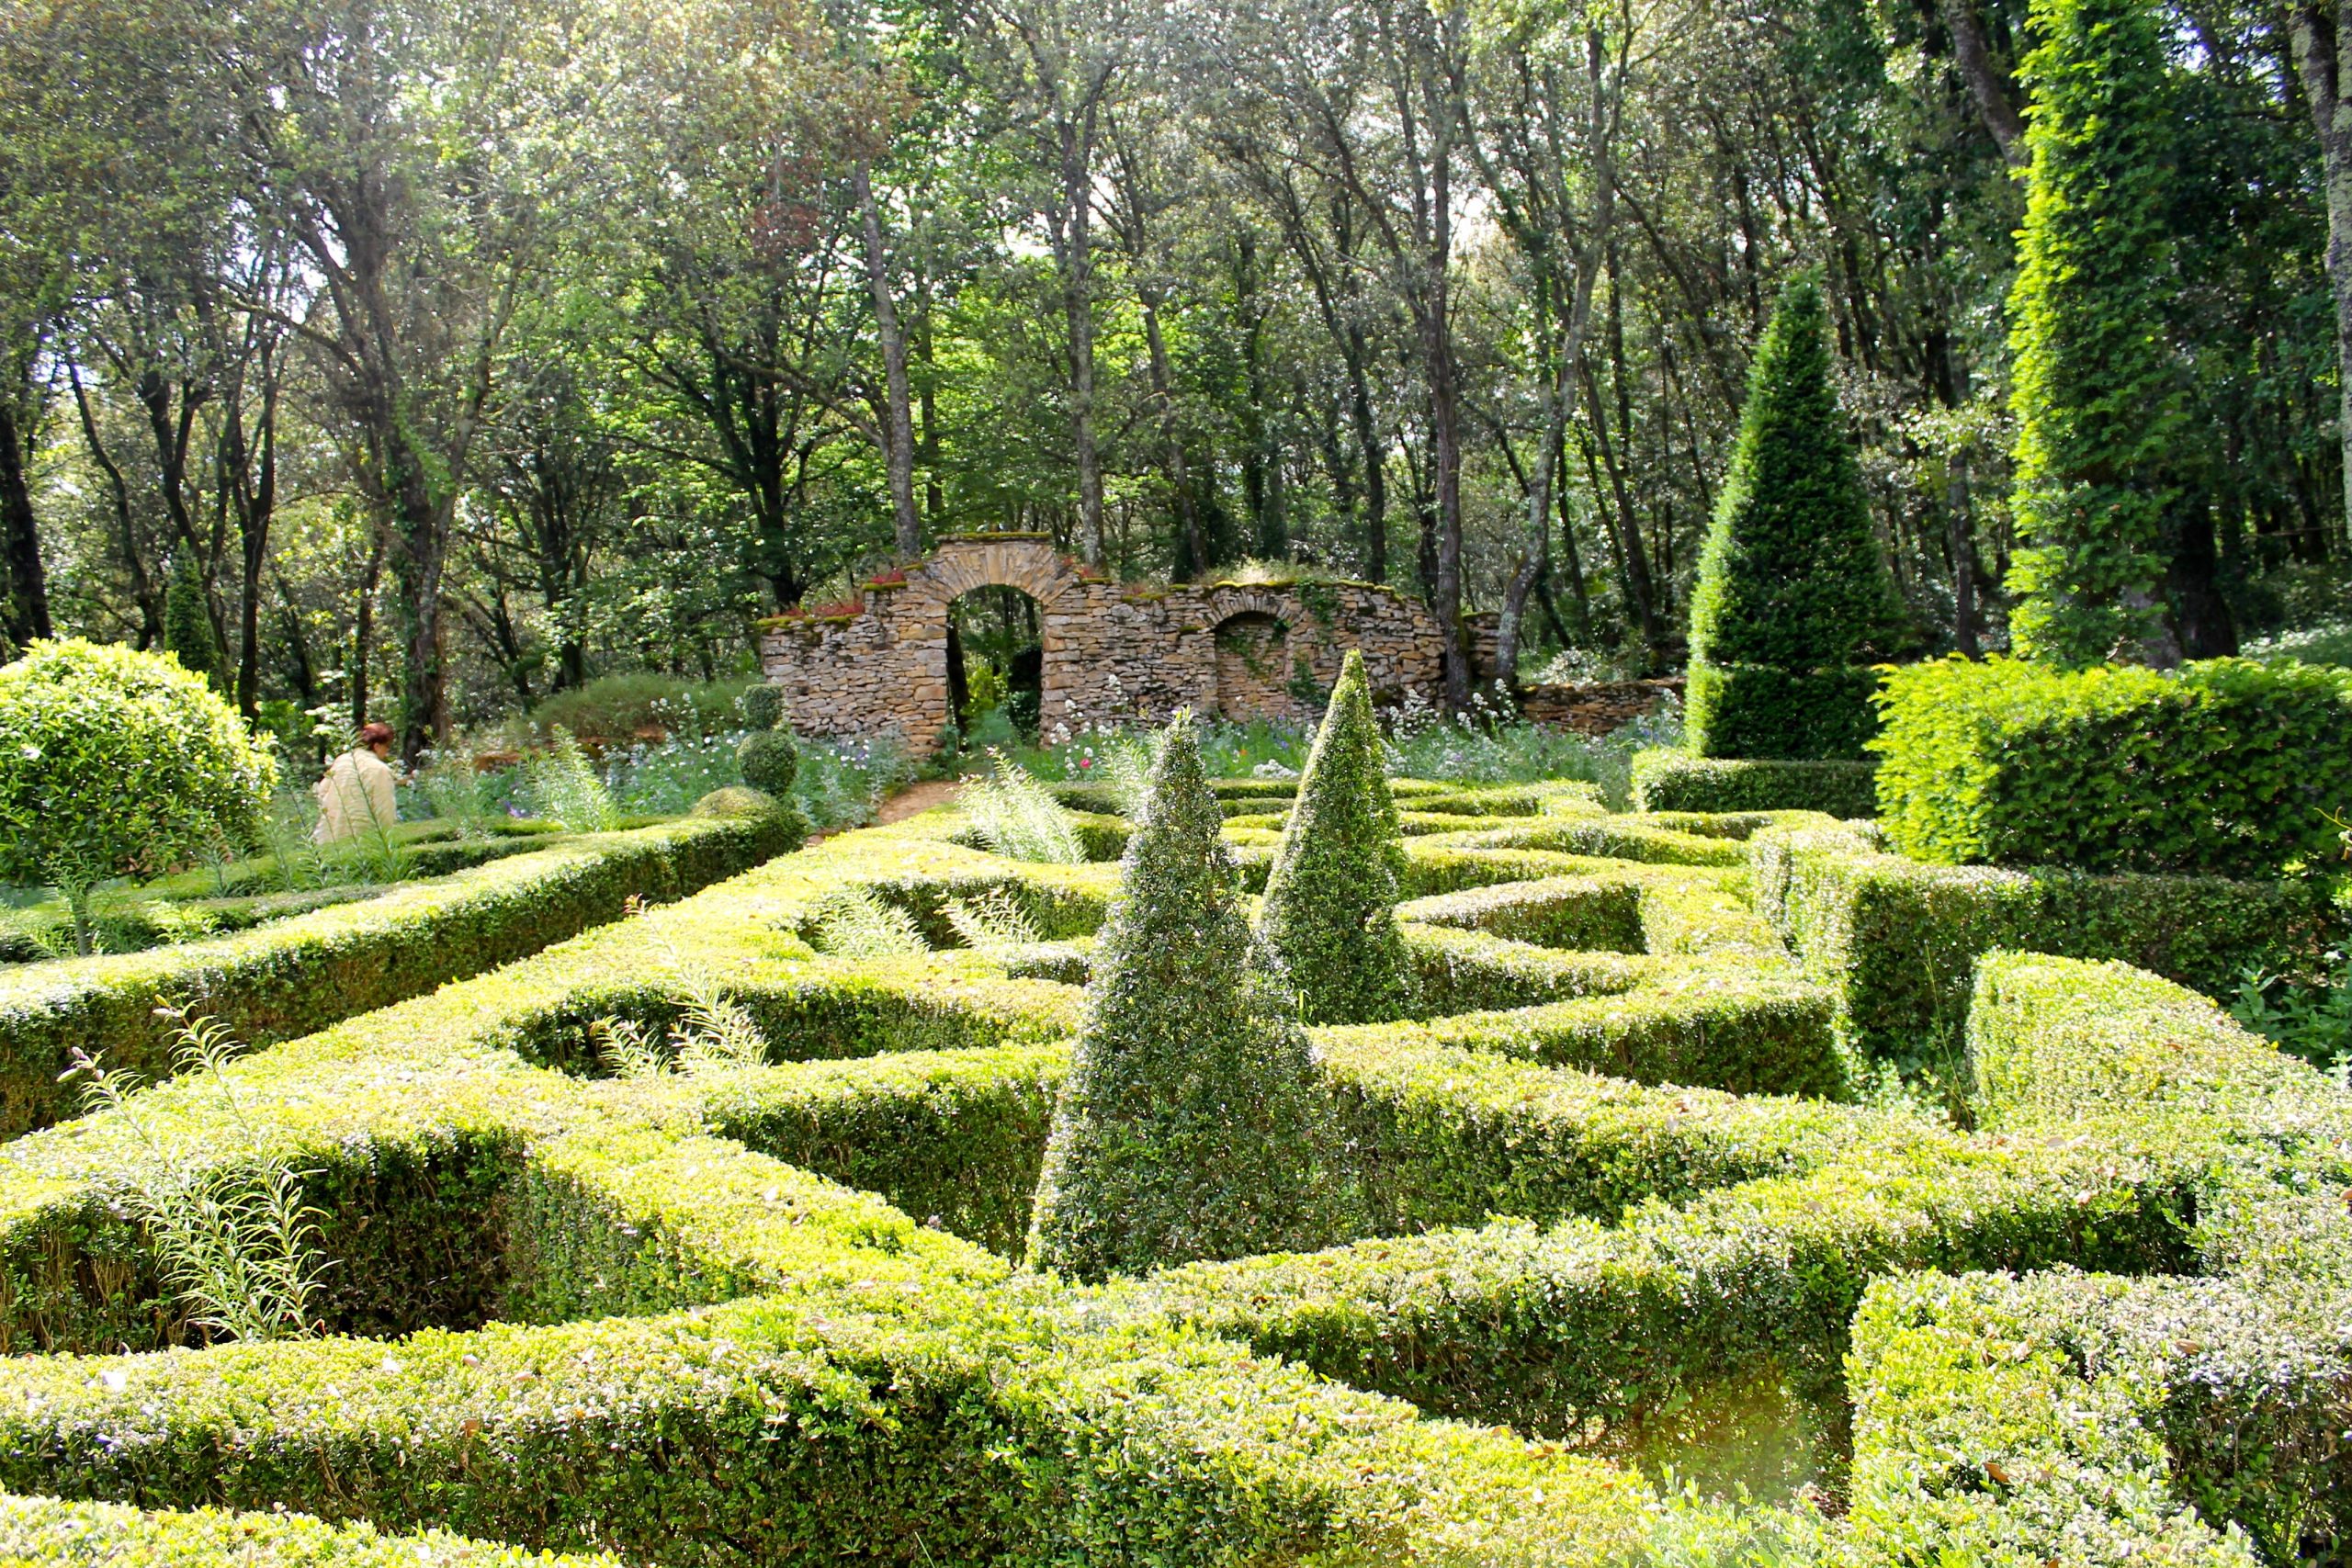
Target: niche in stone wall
(1253,673)
(995,665)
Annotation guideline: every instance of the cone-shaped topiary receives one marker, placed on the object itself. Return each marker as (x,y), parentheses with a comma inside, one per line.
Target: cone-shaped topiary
(1194,1123)
(1793,594)
(2098,390)
(1329,928)
(187,625)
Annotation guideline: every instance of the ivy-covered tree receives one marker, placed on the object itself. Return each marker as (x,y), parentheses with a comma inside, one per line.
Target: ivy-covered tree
(188,623)
(1794,598)
(1194,1123)
(1329,920)
(2099,398)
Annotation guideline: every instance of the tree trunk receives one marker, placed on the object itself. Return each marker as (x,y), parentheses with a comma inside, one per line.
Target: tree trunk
(2322,35)
(1960,524)
(363,632)
(1994,105)
(899,428)
(1375,460)
(142,587)
(2206,628)
(934,493)
(420,558)
(1075,227)
(1180,480)
(27,604)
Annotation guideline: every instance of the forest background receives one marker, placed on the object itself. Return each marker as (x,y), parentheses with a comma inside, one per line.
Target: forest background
(423,361)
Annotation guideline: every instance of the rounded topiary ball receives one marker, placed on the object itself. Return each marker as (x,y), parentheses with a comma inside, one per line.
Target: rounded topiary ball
(738,803)
(770,760)
(763,706)
(117,764)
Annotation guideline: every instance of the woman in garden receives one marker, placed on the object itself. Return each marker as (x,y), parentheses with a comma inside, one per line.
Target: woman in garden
(355,792)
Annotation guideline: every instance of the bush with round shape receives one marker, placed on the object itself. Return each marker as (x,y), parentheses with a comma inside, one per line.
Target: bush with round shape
(117,764)
(741,803)
(1792,595)
(762,706)
(769,761)
(1194,1123)
(1328,926)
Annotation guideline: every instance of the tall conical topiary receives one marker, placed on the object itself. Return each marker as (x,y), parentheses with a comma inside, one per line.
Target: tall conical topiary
(1793,597)
(187,625)
(1194,1123)
(1328,927)
(2099,399)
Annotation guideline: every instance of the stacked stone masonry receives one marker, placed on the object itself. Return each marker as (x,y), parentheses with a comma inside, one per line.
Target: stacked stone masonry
(1112,650)
(1597,709)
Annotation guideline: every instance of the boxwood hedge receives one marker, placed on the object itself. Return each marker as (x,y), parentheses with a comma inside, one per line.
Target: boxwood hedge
(822,1348)
(302,973)
(1897,941)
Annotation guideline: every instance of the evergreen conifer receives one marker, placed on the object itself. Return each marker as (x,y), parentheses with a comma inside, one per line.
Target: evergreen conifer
(187,625)
(1195,1123)
(1329,922)
(2097,400)
(1792,595)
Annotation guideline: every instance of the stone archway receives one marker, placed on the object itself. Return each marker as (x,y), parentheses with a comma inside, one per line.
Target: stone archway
(1111,652)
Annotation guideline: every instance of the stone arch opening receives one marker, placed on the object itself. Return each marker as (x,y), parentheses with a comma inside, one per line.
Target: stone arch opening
(996,664)
(1253,666)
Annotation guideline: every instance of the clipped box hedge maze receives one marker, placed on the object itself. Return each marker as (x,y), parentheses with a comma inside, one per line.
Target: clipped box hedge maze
(1628,1211)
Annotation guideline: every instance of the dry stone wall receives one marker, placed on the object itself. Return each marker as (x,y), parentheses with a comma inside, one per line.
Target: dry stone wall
(1111,651)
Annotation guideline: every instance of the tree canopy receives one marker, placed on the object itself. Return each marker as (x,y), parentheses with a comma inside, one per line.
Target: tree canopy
(472,351)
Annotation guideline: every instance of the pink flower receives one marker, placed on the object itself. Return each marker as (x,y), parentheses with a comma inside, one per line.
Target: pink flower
(1086,761)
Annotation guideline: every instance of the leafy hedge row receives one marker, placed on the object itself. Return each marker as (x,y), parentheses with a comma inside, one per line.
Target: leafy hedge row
(303,973)
(2096,1420)
(47,1530)
(1677,781)
(828,1375)
(1897,941)
(2226,767)
(890,1395)
(2102,1420)
(1655,1334)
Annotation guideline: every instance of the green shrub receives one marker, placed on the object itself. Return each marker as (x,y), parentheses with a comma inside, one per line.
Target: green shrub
(564,786)
(1793,594)
(1013,815)
(1779,715)
(116,764)
(623,706)
(769,761)
(762,706)
(50,1531)
(2019,1419)
(299,975)
(1683,1324)
(2098,389)
(1193,1123)
(1676,781)
(1897,941)
(2229,767)
(1328,926)
(1583,913)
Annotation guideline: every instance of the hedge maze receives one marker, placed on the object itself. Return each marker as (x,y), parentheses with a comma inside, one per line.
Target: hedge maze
(1646,1264)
